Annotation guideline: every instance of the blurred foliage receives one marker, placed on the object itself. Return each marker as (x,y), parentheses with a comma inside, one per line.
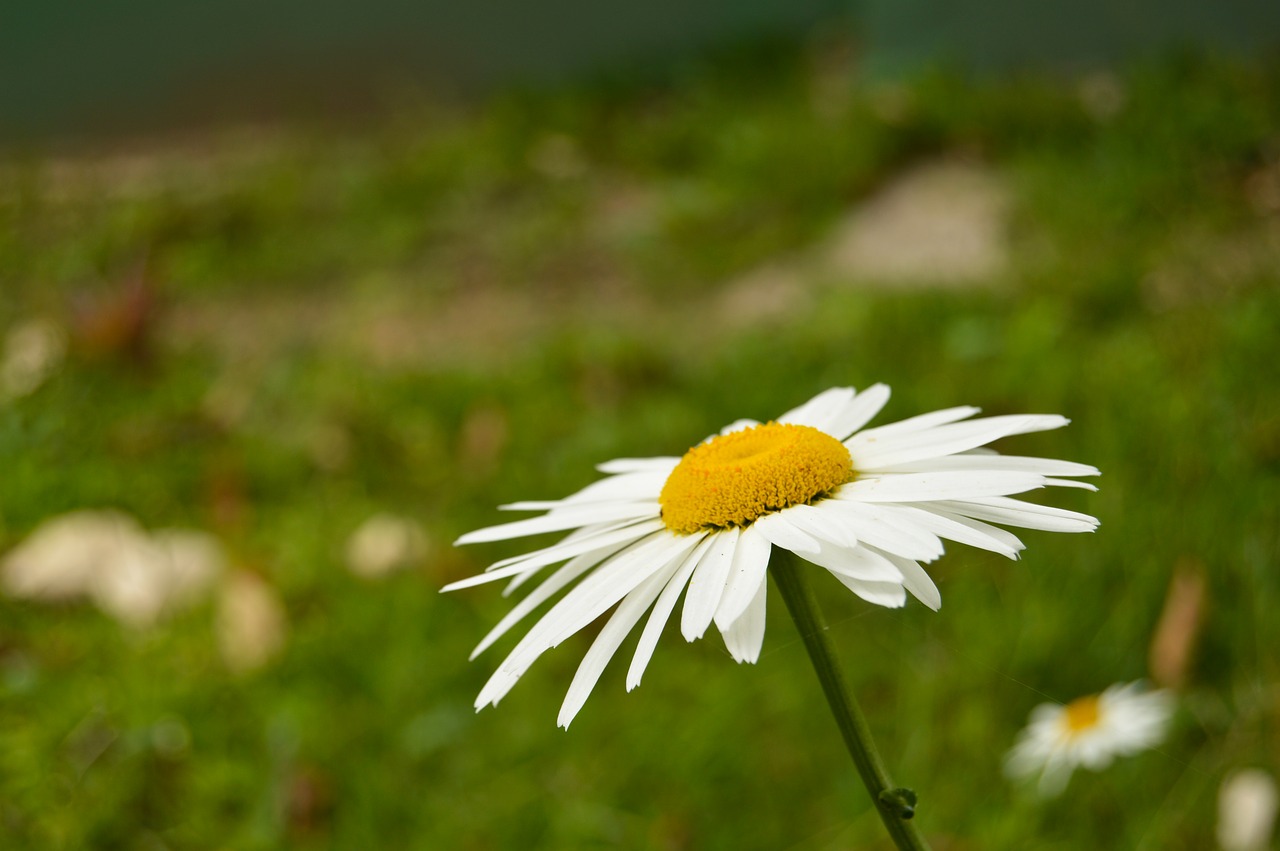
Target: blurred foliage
(460,308)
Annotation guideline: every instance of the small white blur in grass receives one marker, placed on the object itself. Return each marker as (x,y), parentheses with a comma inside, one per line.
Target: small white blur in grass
(384,544)
(1089,732)
(1247,804)
(252,625)
(32,352)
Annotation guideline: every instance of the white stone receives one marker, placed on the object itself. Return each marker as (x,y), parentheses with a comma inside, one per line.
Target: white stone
(60,559)
(384,544)
(107,557)
(251,622)
(1247,802)
(33,350)
(941,224)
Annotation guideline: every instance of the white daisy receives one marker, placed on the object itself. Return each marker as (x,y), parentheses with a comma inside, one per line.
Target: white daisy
(868,505)
(1089,731)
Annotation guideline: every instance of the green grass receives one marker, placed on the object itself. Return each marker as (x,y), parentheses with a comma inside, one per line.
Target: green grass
(312,273)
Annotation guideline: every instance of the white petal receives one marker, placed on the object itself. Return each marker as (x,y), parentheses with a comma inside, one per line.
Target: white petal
(919,487)
(568,518)
(916,580)
(706,587)
(1069,483)
(662,612)
(859,412)
(917,423)
(521,578)
(612,581)
(575,538)
(562,577)
(664,464)
(882,453)
(533,505)
(617,538)
(822,524)
(860,563)
(888,594)
(820,411)
(746,576)
(783,533)
(745,636)
(624,618)
(1027,515)
(629,486)
(995,461)
(963,530)
(1057,772)
(885,527)
(604,587)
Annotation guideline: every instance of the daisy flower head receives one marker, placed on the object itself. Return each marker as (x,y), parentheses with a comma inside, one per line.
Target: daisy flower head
(1090,732)
(868,505)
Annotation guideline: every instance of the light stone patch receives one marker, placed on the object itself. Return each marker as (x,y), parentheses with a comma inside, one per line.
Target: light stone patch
(384,544)
(251,624)
(105,556)
(942,224)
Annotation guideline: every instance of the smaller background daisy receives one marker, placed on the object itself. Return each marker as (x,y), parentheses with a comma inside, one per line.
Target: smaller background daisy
(1088,732)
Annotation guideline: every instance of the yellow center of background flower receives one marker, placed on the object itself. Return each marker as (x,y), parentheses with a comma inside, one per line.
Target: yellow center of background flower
(1081,714)
(736,478)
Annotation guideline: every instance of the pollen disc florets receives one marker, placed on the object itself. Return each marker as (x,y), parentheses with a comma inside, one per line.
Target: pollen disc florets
(1081,714)
(736,478)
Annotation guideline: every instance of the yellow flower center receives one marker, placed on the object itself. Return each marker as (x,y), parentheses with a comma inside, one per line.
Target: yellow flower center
(736,478)
(1081,714)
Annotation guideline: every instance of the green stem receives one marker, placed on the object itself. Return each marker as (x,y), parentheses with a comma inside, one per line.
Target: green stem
(894,805)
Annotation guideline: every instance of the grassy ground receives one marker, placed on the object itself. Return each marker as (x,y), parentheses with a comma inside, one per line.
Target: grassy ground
(457,309)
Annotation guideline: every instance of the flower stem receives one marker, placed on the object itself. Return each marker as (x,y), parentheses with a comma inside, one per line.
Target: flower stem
(894,805)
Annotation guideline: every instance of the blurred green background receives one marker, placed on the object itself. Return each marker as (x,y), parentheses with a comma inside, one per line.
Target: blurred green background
(272,333)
